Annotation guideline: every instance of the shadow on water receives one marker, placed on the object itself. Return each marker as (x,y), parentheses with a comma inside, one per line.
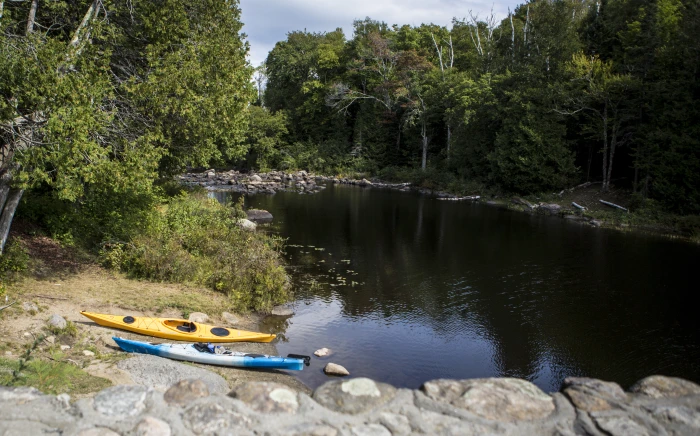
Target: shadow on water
(407,288)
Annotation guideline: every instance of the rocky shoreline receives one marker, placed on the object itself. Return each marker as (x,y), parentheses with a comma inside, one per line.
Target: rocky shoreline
(275,181)
(656,405)
(303,182)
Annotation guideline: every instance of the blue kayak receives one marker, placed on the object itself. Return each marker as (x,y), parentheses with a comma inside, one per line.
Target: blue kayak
(206,353)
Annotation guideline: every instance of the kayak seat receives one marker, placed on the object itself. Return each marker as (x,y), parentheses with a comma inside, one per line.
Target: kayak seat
(220,331)
(201,347)
(189,327)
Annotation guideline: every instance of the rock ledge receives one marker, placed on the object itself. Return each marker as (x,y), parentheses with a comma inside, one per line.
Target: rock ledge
(360,406)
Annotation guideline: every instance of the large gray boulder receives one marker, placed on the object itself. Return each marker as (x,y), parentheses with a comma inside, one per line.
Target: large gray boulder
(259,215)
(160,373)
(550,209)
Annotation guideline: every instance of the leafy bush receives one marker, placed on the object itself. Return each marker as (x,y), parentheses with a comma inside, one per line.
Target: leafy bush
(194,239)
(13,260)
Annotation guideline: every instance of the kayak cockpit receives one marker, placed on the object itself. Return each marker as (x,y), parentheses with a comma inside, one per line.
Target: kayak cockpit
(181,326)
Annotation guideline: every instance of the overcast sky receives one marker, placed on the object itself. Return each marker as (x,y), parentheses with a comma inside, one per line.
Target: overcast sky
(268,21)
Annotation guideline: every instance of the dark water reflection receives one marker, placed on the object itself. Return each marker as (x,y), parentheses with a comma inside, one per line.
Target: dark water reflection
(406,288)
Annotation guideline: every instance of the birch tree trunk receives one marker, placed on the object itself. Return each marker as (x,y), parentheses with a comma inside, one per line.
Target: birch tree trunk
(449,140)
(605,147)
(8,213)
(32,16)
(613,144)
(424,135)
(4,190)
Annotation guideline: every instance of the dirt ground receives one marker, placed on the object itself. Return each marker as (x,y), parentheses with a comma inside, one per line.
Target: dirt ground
(61,281)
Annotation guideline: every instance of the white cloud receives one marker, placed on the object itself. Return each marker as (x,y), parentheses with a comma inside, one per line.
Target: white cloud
(269,21)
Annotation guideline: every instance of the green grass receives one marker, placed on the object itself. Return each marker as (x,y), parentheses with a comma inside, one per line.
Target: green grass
(50,376)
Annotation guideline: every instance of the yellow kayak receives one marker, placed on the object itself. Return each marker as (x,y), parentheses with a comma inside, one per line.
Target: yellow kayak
(177,329)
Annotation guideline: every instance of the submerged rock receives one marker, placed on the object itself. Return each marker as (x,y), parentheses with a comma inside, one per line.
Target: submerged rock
(335,369)
(323,352)
(282,311)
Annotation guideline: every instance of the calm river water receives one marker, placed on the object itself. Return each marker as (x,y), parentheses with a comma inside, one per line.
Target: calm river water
(406,288)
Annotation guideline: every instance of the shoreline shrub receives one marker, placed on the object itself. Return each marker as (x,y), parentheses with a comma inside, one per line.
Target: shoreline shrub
(194,239)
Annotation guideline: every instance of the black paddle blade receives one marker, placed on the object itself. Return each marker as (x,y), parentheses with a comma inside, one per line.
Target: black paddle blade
(307,359)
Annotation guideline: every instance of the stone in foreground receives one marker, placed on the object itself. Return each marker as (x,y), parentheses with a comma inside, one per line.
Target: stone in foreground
(160,373)
(150,426)
(361,406)
(353,396)
(121,401)
(497,399)
(335,369)
(186,391)
(267,397)
(593,395)
(658,386)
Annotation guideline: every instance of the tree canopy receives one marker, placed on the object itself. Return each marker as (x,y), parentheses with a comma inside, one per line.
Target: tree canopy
(555,93)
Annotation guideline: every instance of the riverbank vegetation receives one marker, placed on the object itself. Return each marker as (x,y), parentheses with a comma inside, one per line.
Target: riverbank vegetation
(102,103)
(554,94)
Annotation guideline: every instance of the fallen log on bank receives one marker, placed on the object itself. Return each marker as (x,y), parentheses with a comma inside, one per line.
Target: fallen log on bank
(471,197)
(578,206)
(607,203)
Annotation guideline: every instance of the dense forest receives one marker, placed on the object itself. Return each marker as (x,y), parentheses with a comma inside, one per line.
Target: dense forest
(103,101)
(555,94)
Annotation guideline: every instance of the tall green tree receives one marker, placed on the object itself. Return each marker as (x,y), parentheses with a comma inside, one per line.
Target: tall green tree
(110,92)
